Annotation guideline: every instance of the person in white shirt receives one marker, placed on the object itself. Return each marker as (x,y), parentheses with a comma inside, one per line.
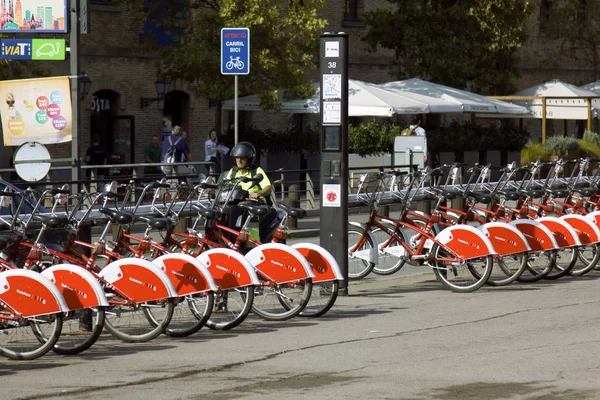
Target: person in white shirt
(212,152)
(419,131)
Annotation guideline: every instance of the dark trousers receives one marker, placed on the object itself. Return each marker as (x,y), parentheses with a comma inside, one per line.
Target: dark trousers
(216,167)
(266,223)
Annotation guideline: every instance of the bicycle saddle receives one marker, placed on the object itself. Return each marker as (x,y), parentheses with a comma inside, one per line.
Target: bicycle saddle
(156,222)
(52,221)
(255,209)
(293,212)
(509,194)
(207,213)
(480,197)
(447,194)
(586,192)
(116,216)
(531,193)
(558,192)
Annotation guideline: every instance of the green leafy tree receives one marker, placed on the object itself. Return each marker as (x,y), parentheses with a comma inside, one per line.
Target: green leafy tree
(458,43)
(575,25)
(284,38)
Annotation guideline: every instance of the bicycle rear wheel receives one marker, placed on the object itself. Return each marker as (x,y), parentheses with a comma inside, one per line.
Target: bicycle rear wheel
(565,262)
(20,340)
(135,323)
(190,314)
(464,277)
(358,264)
(80,330)
(539,264)
(322,298)
(281,301)
(231,307)
(588,259)
(509,269)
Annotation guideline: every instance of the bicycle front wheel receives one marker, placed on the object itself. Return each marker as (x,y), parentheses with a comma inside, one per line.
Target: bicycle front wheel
(359,264)
(190,314)
(139,322)
(281,301)
(231,307)
(20,339)
(391,255)
(462,277)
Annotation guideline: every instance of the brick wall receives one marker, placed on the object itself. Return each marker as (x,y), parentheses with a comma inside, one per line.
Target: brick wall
(112,58)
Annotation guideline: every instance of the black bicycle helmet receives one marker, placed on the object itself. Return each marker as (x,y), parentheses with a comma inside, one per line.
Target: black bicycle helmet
(244,149)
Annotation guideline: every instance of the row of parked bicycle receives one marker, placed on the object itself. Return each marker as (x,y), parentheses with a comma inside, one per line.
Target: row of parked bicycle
(522,228)
(61,297)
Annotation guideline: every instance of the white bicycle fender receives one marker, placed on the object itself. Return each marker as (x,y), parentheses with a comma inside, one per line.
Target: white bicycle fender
(221,260)
(552,244)
(370,255)
(573,238)
(112,272)
(335,268)
(466,241)
(583,226)
(206,275)
(501,242)
(278,262)
(5,288)
(70,284)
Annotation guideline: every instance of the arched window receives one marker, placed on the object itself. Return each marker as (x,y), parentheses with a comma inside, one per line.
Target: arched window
(545,8)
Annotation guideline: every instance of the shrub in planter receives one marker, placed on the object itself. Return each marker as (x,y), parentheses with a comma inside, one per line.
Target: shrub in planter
(372,138)
(561,146)
(534,152)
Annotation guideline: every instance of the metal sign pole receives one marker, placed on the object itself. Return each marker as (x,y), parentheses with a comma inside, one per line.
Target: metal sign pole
(74,61)
(235,110)
(235,60)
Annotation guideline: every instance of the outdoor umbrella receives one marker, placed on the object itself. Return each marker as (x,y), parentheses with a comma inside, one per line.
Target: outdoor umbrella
(364,99)
(438,96)
(556,100)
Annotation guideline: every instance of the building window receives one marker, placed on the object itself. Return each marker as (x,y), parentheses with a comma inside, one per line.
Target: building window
(545,8)
(581,12)
(351,10)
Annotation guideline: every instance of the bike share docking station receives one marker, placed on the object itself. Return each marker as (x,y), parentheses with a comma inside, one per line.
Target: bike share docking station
(333,59)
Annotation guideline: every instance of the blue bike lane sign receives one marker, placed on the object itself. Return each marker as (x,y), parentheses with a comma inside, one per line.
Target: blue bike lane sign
(235,51)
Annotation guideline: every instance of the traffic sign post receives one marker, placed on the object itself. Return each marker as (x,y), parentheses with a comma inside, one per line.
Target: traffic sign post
(235,51)
(235,60)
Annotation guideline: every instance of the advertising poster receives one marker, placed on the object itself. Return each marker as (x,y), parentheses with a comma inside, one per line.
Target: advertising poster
(31,16)
(36,110)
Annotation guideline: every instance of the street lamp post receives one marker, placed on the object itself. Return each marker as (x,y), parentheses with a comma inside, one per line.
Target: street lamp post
(162,88)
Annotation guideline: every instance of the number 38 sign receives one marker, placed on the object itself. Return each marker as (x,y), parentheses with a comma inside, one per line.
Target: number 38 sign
(235,51)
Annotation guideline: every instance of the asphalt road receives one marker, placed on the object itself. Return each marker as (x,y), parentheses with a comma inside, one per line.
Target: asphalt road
(398,337)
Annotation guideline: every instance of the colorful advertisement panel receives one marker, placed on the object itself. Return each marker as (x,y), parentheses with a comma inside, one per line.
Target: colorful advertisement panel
(36,110)
(31,16)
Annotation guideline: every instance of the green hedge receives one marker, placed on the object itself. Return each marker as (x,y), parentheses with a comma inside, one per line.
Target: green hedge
(376,137)
(467,137)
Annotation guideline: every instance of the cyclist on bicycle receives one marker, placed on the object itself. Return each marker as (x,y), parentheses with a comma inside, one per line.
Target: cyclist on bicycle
(244,155)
